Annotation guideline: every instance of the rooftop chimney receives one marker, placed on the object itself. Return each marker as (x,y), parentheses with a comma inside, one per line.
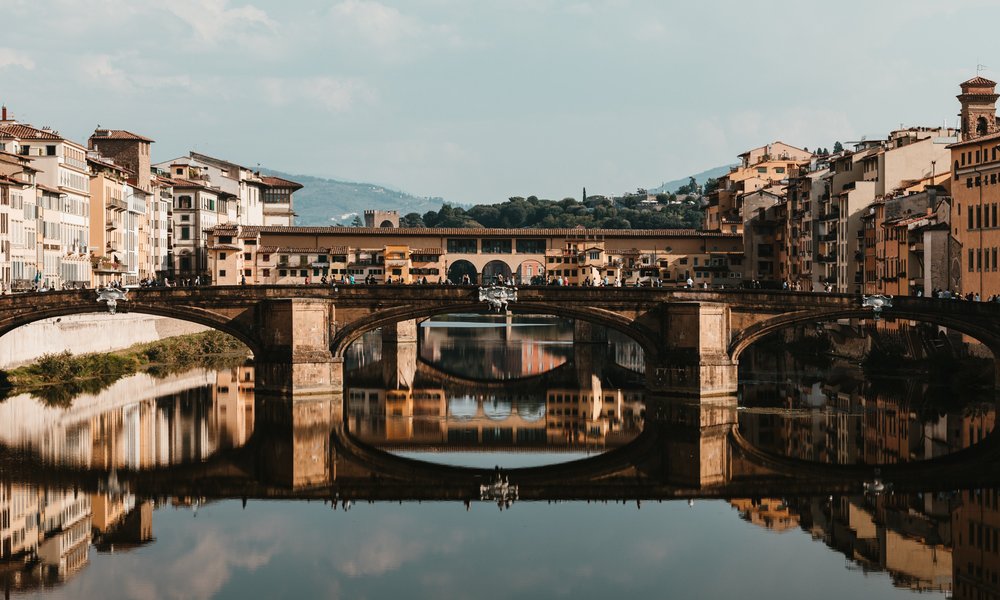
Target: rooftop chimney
(3,113)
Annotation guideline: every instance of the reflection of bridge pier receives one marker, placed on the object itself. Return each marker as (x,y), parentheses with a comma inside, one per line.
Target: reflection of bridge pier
(294,435)
(693,439)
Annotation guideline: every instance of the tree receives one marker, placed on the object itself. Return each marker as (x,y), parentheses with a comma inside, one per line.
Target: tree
(838,147)
(412,220)
(357,222)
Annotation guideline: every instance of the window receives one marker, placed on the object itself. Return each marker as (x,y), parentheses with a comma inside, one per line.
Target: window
(979,217)
(303,273)
(222,256)
(968,182)
(281,272)
(265,272)
(496,246)
(994,252)
(179,171)
(779,169)
(50,151)
(246,256)
(265,257)
(762,169)
(225,239)
(185,233)
(462,246)
(222,273)
(530,246)
(247,272)
(972,216)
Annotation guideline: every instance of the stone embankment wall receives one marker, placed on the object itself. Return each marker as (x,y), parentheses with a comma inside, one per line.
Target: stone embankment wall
(81,334)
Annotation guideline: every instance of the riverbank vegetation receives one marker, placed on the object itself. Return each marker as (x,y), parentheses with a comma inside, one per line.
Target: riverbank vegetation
(58,378)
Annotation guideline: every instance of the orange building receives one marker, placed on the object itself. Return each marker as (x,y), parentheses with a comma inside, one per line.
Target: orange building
(976,189)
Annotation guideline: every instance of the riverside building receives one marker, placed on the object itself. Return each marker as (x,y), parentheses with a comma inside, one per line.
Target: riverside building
(290,255)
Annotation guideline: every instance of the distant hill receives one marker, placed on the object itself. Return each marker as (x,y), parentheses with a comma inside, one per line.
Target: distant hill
(331,202)
(671,186)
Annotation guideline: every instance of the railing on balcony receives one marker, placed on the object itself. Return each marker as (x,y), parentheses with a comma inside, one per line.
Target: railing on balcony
(827,216)
(827,258)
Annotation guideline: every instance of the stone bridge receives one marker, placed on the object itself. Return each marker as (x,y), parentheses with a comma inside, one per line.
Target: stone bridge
(692,339)
(300,450)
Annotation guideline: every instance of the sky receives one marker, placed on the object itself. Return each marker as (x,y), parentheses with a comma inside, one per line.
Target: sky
(479,100)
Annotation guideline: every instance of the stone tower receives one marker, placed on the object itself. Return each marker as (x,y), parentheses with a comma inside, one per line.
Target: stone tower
(381,218)
(979,110)
(127,149)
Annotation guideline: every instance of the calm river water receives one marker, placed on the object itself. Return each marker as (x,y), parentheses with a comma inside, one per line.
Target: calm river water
(496,458)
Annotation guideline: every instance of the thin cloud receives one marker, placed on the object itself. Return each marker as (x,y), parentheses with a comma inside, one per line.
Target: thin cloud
(214,21)
(12,58)
(326,93)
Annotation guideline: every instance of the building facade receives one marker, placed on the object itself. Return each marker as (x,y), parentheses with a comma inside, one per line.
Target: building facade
(290,255)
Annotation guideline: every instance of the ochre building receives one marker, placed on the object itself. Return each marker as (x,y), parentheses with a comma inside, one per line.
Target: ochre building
(291,255)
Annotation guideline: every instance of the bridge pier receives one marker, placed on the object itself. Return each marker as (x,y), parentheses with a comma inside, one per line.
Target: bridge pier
(585,332)
(402,331)
(295,339)
(694,450)
(695,361)
(399,364)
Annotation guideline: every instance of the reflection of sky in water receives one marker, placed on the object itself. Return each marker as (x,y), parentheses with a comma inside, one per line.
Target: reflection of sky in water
(507,460)
(438,550)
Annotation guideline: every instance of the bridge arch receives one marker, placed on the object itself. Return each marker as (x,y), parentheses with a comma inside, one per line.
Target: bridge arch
(971,327)
(60,304)
(531,272)
(494,268)
(644,337)
(459,269)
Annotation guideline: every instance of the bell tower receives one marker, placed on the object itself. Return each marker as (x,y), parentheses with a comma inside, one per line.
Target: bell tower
(979,111)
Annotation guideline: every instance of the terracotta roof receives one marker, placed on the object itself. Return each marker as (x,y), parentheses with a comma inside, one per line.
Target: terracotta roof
(977,80)
(279,182)
(48,189)
(512,232)
(118,134)
(9,155)
(27,132)
(224,247)
(984,138)
(426,251)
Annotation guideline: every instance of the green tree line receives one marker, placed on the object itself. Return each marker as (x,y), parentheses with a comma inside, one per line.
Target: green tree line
(626,212)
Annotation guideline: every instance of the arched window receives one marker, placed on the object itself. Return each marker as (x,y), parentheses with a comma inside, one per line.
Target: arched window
(981,126)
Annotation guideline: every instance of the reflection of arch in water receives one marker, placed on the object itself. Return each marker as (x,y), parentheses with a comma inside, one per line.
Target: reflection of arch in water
(497,409)
(530,270)
(463,407)
(459,268)
(980,330)
(532,411)
(494,268)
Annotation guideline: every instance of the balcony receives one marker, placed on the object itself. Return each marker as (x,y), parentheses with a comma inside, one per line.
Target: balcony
(827,258)
(828,237)
(829,216)
(116,204)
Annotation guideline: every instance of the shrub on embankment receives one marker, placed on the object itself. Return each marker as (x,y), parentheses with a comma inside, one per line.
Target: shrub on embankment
(58,378)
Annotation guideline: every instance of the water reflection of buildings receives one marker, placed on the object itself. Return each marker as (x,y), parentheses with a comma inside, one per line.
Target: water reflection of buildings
(561,418)
(507,348)
(847,420)
(139,422)
(925,542)
(907,536)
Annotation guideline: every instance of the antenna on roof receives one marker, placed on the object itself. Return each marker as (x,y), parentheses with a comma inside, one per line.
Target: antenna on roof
(980,68)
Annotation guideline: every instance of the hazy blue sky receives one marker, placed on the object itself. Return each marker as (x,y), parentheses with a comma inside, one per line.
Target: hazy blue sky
(479,100)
